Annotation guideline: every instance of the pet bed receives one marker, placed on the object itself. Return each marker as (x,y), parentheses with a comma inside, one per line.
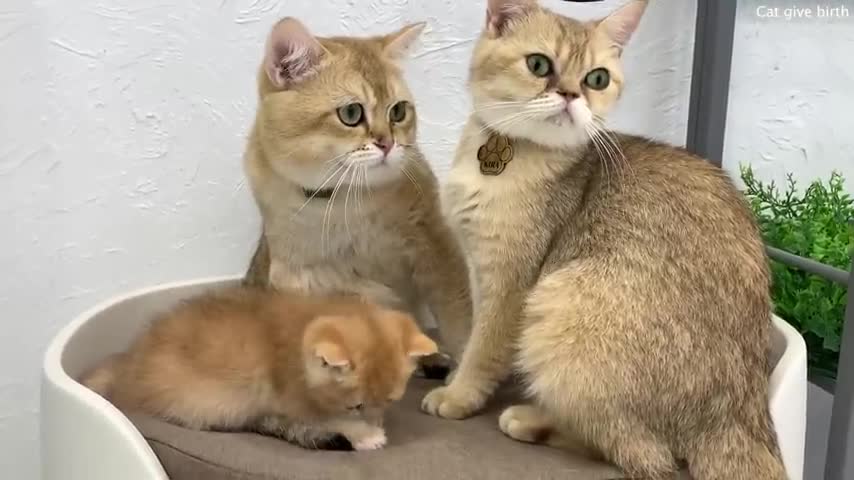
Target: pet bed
(84,437)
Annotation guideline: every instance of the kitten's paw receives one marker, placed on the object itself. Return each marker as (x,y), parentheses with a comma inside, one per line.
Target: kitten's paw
(375,439)
(335,442)
(524,423)
(452,402)
(435,367)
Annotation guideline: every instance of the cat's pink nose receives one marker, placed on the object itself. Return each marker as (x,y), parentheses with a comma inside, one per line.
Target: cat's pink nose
(385,144)
(569,96)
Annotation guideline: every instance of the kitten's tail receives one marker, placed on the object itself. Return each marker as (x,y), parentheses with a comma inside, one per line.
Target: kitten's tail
(101,379)
(741,450)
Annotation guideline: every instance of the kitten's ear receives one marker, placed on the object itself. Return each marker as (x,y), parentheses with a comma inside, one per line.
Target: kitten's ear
(421,345)
(415,343)
(622,23)
(398,44)
(292,53)
(331,355)
(501,12)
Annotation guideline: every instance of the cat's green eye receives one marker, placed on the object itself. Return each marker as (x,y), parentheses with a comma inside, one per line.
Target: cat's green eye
(598,79)
(397,113)
(539,64)
(351,114)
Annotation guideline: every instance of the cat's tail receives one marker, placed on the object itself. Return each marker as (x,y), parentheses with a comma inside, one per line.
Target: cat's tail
(102,378)
(739,450)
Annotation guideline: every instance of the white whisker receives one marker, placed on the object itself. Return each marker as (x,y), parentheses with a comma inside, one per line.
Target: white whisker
(498,106)
(508,121)
(608,148)
(318,189)
(411,178)
(361,180)
(596,140)
(337,157)
(324,229)
(608,136)
(347,199)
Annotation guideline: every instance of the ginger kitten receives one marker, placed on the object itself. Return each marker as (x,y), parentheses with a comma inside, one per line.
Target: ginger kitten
(624,279)
(303,369)
(349,204)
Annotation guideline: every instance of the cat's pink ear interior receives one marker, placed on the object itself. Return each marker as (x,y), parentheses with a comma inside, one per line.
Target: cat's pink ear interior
(499,13)
(622,23)
(331,354)
(292,53)
(398,44)
(421,345)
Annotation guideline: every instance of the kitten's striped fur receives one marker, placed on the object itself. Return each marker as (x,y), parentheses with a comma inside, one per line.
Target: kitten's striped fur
(286,365)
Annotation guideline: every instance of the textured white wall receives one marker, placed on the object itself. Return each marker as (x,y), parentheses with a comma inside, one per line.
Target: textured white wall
(792,92)
(122,124)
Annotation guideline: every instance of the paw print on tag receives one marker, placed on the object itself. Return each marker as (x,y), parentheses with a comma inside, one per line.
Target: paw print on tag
(495,154)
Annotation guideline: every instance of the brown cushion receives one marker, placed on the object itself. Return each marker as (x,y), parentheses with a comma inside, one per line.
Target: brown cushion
(420,447)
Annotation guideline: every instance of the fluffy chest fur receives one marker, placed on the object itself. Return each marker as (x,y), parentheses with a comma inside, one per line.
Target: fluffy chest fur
(502,220)
(491,203)
(348,235)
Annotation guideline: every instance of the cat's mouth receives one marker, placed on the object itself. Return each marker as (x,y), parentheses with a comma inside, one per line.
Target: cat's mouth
(561,118)
(370,163)
(373,164)
(375,171)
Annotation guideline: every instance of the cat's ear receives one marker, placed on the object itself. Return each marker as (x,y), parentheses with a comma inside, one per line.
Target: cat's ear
(421,345)
(331,355)
(622,23)
(499,13)
(398,44)
(415,343)
(292,53)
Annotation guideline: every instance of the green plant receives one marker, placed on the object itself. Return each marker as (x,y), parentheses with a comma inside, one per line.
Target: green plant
(814,224)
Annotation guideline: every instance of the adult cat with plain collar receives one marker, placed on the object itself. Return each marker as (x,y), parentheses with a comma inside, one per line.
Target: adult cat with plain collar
(624,279)
(349,204)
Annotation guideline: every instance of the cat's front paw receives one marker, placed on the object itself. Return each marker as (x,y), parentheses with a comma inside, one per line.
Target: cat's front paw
(452,402)
(524,423)
(450,377)
(371,439)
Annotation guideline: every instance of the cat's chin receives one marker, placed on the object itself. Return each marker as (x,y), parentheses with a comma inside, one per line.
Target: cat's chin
(548,133)
(380,176)
(375,176)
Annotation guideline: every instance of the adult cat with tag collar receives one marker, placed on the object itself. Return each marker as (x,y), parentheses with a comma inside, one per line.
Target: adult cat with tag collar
(623,279)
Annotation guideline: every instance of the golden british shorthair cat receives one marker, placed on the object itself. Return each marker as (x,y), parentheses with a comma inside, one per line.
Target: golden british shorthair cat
(349,202)
(624,280)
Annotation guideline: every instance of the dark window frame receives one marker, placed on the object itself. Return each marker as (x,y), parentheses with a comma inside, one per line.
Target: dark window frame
(706,131)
